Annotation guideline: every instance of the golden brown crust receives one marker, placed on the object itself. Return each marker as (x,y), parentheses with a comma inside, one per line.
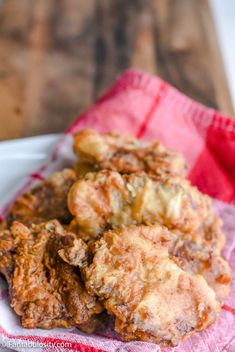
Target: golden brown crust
(46,201)
(45,291)
(197,256)
(107,199)
(8,244)
(152,250)
(151,297)
(70,253)
(116,152)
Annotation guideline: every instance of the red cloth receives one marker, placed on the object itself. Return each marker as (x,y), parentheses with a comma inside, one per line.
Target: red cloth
(147,107)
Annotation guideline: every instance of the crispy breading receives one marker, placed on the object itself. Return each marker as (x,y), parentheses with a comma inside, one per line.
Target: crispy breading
(46,201)
(107,200)
(140,283)
(197,256)
(133,237)
(116,152)
(45,291)
(8,243)
(74,251)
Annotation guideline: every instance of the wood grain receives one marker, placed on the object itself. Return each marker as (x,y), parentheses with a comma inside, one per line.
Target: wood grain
(58,56)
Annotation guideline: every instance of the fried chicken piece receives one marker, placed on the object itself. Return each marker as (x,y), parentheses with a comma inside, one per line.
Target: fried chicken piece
(107,200)
(45,291)
(46,201)
(8,243)
(139,282)
(197,256)
(124,154)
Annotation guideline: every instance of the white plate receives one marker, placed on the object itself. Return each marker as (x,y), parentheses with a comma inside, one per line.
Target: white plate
(18,158)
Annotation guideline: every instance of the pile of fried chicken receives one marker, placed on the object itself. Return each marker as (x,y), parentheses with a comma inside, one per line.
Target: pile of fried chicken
(122,236)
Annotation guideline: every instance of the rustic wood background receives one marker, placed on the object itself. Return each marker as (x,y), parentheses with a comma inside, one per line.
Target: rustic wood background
(57,56)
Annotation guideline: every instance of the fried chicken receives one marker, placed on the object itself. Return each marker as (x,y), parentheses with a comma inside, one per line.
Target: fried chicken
(107,200)
(45,291)
(197,256)
(132,237)
(124,154)
(8,243)
(140,283)
(46,201)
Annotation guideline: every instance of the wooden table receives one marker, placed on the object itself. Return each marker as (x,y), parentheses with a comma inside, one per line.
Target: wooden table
(58,56)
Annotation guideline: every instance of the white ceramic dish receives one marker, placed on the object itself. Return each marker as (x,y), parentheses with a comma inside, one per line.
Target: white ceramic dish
(20,157)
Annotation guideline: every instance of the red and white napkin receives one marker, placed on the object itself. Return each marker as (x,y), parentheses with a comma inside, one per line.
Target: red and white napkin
(147,107)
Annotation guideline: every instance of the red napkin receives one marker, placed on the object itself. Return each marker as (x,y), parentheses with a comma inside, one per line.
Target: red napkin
(149,108)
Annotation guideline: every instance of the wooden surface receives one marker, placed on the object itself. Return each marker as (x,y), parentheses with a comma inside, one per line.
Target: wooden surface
(57,56)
